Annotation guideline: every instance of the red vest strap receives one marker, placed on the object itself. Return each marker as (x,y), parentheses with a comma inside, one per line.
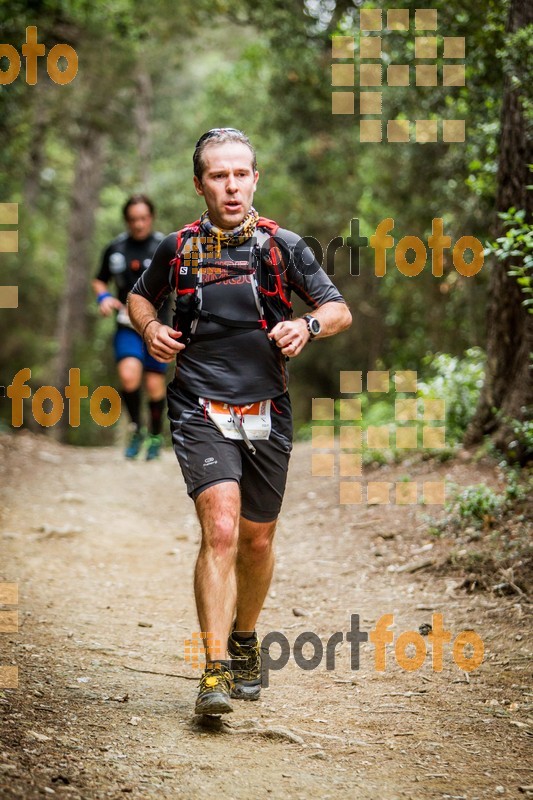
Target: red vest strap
(193,227)
(268,224)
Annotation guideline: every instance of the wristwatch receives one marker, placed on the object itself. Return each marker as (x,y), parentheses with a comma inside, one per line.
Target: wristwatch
(313,325)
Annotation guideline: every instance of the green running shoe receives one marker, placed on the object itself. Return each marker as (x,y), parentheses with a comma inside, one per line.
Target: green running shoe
(215,689)
(246,668)
(134,445)
(154,446)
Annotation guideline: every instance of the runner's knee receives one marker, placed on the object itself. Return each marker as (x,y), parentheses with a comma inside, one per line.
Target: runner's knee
(129,384)
(222,535)
(155,385)
(258,546)
(130,374)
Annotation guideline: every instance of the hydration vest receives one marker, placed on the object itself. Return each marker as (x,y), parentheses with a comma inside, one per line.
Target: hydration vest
(267,278)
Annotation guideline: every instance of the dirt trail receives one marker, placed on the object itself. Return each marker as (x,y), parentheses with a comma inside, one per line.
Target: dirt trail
(103,552)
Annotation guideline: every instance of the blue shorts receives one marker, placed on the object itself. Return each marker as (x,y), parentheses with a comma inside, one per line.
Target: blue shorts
(128,344)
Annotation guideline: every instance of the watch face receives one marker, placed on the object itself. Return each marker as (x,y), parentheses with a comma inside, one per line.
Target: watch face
(314,324)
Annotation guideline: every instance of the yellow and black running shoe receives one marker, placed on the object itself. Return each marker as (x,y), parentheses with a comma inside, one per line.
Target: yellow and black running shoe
(246,667)
(215,689)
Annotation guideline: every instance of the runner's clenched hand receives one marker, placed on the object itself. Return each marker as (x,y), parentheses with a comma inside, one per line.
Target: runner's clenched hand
(161,341)
(290,336)
(108,305)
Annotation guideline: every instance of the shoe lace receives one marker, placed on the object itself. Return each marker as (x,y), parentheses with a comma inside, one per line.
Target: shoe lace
(223,676)
(247,655)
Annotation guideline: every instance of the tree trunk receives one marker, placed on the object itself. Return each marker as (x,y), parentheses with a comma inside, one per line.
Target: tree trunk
(508,388)
(142,113)
(36,153)
(73,310)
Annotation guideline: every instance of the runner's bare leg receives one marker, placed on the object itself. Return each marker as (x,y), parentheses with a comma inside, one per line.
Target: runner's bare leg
(155,384)
(255,565)
(215,587)
(130,372)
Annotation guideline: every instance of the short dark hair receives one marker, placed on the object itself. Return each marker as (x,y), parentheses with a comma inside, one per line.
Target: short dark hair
(134,200)
(219,136)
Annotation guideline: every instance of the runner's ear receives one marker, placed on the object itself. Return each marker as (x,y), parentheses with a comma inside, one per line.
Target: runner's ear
(198,186)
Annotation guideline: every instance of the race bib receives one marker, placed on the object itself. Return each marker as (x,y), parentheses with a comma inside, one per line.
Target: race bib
(232,421)
(123,318)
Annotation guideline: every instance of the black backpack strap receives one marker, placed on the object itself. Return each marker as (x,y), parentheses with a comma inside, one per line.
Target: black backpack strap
(207,316)
(271,269)
(267,272)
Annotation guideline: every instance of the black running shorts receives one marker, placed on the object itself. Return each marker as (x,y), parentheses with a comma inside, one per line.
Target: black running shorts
(206,457)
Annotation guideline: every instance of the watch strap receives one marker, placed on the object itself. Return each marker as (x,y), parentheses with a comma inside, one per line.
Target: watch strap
(309,320)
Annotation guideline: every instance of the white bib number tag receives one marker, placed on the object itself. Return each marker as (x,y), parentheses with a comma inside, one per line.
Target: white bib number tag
(252,420)
(123,318)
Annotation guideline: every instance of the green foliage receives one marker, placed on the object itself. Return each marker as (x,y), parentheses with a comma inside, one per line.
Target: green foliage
(517,58)
(477,503)
(518,483)
(517,245)
(457,381)
(519,446)
(480,505)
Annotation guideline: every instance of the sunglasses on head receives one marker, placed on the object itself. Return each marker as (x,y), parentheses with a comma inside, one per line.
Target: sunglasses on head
(214,131)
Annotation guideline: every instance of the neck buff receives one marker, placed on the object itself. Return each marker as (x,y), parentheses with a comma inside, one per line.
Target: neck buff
(217,237)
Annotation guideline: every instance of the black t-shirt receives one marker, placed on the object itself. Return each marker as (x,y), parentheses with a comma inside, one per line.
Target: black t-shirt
(124,259)
(241,368)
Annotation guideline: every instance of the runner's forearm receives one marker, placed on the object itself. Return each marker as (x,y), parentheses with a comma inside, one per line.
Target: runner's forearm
(334,317)
(107,302)
(141,312)
(99,287)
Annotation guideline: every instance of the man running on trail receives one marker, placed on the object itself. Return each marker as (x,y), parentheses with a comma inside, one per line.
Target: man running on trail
(228,404)
(123,261)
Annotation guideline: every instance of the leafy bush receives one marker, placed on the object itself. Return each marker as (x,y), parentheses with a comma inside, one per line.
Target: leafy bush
(517,244)
(458,382)
(522,440)
(478,503)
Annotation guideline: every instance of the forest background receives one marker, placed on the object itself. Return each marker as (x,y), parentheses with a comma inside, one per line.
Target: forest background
(153,77)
